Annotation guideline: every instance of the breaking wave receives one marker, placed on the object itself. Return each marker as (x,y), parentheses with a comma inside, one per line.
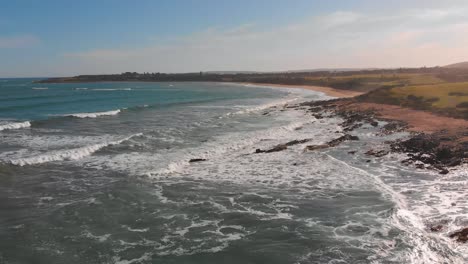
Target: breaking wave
(112,89)
(95,114)
(69,154)
(14,125)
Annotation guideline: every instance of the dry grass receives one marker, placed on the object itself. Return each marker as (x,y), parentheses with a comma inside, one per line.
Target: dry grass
(448,95)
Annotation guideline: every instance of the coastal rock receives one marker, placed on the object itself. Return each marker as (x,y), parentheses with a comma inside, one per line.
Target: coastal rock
(282,147)
(332,143)
(377,153)
(436,228)
(435,150)
(337,141)
(295,142)
(274,149)
(196,160)
(393,127)
(316,147)
(461,236)
(318,116)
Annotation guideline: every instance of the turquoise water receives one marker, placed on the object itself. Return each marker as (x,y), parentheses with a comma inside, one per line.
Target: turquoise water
(21,99)
(100,173)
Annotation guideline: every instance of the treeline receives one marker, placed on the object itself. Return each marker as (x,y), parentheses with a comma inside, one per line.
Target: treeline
(353,80)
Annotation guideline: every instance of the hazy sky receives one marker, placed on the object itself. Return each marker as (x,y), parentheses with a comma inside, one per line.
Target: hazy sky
(61,38)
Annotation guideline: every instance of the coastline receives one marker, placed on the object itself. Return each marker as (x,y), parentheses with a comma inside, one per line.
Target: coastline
(326,90)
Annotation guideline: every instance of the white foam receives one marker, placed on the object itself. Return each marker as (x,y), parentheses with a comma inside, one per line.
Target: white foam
(229,144)
(69,154)
(144,258)
(277,103)
(40,88)
(138,230)
(14,125)
(98,238)
(95,114)
(112,89)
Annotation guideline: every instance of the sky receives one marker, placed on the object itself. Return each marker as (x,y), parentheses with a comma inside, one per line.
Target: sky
(46,38)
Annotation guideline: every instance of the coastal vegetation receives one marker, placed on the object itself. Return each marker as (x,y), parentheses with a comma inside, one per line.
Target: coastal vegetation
(440,90)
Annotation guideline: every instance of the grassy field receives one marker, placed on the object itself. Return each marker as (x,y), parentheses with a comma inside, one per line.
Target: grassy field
(449,99)
(370,82)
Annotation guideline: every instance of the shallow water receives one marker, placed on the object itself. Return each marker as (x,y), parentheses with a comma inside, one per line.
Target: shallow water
(101,175)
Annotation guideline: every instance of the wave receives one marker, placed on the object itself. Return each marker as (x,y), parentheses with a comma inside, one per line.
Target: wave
(14,125)
(95,114)
(80,88)
(111,89)
(233,143)
(40,88)
(69,154)
(283,102)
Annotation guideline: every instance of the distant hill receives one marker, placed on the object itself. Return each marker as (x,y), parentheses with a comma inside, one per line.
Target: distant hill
(460,65)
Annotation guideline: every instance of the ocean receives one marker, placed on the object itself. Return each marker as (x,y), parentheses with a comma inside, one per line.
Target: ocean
(100,173)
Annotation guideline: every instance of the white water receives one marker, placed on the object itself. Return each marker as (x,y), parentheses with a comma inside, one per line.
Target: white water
(69,154)
(14,125)
(96,114)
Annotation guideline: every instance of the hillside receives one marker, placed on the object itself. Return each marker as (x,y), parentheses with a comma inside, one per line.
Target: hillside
(460,65)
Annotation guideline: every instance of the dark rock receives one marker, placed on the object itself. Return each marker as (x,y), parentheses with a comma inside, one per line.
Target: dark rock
(316,147)
(352,127)
(374,123)
(315,109)
(318,116)
(377,153)
(433,150)
(393,127)
(368,161)
(436,228)
(274,149)
(295,142)
(196,160)
(352,152)
(332,143)
(443,171)
(277,148)
(337,141)
(282,147)
(461,236)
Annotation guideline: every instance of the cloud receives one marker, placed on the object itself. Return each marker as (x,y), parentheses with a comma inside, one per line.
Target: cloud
(21,41)
(412,37)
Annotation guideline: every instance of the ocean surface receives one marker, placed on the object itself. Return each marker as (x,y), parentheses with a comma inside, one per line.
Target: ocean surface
(100,173)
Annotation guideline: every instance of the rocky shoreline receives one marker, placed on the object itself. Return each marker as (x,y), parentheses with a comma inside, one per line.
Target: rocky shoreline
(438,151)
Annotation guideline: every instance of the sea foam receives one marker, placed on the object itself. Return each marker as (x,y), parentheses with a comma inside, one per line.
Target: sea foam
(14,125)
(95,114)
(69,154)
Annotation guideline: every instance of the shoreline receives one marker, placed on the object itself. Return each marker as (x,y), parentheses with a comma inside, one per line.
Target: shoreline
(338,93)
(436,141)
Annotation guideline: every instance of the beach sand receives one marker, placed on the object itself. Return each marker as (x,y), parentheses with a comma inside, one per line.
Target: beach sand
(326,90)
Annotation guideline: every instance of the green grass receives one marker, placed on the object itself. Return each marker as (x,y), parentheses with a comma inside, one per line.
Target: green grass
(448,95)
(449,99)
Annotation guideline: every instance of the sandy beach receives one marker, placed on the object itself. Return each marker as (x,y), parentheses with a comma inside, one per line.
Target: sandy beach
(326,90)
